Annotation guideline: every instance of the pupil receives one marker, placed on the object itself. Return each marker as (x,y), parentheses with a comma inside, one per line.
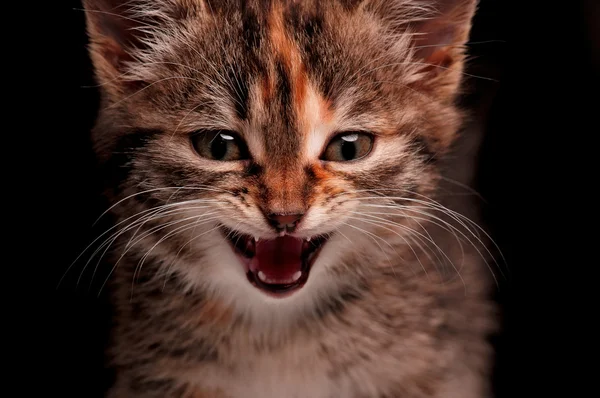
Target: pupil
(348,150)
(218,148)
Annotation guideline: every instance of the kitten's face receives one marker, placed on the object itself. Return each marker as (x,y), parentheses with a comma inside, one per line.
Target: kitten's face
(271,133)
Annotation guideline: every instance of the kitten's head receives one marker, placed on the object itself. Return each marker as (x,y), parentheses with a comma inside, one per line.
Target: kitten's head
(265,141)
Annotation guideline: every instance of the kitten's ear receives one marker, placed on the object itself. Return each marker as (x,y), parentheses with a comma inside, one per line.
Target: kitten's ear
(446,30)
(439,30)
(116,34)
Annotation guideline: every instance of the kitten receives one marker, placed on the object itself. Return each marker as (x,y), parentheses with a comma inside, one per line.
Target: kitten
(275,169)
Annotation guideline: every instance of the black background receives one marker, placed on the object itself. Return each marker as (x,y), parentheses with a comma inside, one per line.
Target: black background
(545,59)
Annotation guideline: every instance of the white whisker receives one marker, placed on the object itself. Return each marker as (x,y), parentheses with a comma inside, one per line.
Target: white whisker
(380,224)
(137,224)
(170,234)
(373,236)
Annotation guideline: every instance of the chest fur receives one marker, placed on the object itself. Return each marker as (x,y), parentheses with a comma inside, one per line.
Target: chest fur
(294,373)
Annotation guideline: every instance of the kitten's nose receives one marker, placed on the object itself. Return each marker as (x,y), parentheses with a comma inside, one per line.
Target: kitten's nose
(284,222)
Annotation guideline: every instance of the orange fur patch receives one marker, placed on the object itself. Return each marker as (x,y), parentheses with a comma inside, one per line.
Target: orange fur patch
(321,173)
(286,191)
(327,181)
(325,110)
(287,51)
(216,312)
(267,88)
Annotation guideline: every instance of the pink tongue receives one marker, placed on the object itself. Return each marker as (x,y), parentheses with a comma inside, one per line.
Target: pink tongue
(279,259)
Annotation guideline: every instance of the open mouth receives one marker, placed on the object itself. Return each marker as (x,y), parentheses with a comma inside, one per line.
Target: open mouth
(277,266)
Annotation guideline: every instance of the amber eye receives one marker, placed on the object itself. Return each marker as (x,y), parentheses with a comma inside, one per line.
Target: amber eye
(223,145)
(348,146)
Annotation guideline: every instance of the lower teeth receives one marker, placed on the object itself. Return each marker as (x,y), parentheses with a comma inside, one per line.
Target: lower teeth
(294,278)
(262,276)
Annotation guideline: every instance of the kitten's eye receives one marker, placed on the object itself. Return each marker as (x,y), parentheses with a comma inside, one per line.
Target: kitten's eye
(221,145)
(348,146)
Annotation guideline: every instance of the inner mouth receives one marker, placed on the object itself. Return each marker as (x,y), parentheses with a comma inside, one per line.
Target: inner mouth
(276,266)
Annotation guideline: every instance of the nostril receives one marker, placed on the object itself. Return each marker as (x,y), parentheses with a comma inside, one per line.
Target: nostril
(284,221)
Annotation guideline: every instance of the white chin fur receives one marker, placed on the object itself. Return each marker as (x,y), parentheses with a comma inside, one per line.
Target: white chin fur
(221,273)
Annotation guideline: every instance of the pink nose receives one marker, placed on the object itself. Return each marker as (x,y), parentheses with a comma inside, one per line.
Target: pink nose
(284,222)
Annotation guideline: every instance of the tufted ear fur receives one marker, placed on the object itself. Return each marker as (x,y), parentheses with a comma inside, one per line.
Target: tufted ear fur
(120,31)
(439,30)
(111,27)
